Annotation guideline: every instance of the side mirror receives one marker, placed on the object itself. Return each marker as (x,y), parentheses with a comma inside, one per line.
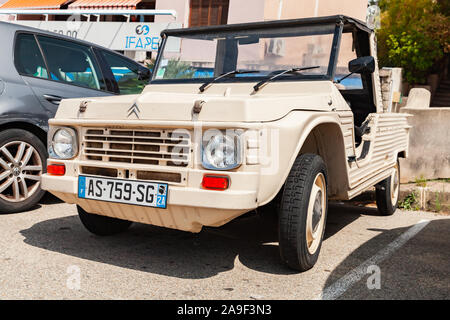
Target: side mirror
(362,65)
(144,74)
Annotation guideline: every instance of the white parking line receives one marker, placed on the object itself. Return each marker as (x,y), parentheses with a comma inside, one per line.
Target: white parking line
(335,290)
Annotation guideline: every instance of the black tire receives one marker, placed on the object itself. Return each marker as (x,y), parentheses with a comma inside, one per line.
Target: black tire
(8,140)
(102,225)
(295,250)
(387,198)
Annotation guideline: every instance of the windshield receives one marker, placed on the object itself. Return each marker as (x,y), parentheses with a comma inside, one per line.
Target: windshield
(266,52)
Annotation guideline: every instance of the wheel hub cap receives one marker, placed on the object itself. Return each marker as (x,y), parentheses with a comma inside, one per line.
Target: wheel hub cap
(395,185)
(16,171)
(315,220)
(317,211)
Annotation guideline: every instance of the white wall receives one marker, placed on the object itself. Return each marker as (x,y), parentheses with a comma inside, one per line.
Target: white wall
(292,9)
(260,10)
(245,11)
(180,6)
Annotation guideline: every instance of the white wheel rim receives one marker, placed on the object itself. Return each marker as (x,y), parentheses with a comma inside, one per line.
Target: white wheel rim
(20,171)
(395,185)
(315,220)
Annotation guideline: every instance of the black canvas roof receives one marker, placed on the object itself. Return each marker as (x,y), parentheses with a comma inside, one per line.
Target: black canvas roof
(349,23)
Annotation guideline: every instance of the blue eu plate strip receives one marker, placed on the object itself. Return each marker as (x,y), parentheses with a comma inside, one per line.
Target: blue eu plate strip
(82,187)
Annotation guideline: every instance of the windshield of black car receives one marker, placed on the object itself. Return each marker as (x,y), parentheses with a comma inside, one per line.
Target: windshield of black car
(204,56)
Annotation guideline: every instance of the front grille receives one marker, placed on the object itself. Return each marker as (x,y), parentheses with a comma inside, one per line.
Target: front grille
(104,172)
(153,146)
(174,177)
(159,176)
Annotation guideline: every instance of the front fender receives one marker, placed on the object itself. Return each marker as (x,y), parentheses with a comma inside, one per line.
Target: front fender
(40,122)
(288,136)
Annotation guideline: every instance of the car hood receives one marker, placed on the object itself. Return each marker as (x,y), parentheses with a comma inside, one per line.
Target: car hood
(220,102)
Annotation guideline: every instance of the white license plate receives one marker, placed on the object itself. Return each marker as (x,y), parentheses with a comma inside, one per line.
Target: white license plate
(149,194)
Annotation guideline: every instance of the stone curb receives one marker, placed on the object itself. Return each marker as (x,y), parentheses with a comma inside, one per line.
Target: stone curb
(434,196)
(429,198)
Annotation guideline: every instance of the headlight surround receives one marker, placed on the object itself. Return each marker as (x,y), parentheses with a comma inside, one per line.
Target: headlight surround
(63,144)
(222,150)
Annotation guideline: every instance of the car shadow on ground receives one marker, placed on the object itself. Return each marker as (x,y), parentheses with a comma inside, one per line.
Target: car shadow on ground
(49,199)
(252,239)
(341,214)
(420,269)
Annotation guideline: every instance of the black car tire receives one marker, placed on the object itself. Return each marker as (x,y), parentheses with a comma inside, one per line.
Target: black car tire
(303,212)
(387,193)
(102,225)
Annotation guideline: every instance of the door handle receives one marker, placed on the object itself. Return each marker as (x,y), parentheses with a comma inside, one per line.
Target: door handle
(53,99)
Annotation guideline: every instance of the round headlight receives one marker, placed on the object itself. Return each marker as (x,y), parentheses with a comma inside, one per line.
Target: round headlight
(222,152)
(64,143)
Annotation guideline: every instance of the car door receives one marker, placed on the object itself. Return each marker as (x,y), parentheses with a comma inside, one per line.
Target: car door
(57,69)
(128,76)
(361,121)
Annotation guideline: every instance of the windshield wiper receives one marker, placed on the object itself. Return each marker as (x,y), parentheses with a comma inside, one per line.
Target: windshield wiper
(204,86)
(287,71)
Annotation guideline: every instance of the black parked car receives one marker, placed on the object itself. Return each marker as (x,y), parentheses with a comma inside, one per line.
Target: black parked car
(37,70)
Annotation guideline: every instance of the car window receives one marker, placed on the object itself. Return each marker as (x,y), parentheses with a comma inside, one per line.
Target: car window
(28,57)
(71,63)
(346,54)
(126,74)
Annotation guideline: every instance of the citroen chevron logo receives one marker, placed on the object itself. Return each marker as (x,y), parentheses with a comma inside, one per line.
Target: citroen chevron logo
(134,110)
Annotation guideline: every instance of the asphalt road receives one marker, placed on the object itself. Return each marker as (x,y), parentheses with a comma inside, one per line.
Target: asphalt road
(47,254)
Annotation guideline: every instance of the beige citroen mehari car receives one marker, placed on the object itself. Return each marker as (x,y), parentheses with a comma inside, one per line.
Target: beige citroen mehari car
(236,117)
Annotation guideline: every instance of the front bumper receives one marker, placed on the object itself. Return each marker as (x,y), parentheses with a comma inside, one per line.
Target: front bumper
(188,207)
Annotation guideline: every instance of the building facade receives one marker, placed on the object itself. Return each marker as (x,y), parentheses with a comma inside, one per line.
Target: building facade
(209,12)
(138,36)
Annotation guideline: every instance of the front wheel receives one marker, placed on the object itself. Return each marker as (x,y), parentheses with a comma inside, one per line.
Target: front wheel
(303,212)
(102,225)
(388,191)
(22,162)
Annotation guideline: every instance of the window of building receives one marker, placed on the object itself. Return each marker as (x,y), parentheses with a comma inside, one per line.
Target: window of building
(144,5)
(208,12)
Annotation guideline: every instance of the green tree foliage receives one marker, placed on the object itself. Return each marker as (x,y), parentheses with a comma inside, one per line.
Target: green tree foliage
(414,35)
(416,53)
(151,64)
(177,69)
